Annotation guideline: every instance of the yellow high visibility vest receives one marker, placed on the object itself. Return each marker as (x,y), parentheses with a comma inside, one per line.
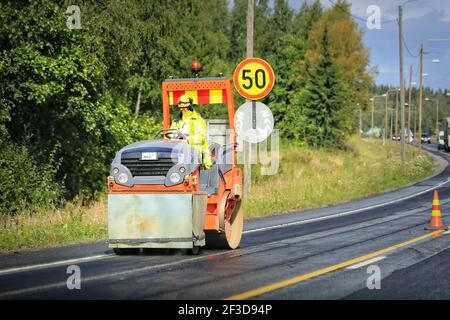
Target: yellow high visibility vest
(194,127)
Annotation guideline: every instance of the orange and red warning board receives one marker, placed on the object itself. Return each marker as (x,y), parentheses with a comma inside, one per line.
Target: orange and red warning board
(254,78)
(200,96)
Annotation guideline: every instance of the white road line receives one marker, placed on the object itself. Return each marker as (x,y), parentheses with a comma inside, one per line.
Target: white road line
(365,263)
(107,275)
(345,213)
(54,264)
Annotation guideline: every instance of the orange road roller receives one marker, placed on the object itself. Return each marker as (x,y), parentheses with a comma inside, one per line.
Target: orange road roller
(159,194)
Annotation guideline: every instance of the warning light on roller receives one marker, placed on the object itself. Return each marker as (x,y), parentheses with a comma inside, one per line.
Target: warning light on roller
(196,67)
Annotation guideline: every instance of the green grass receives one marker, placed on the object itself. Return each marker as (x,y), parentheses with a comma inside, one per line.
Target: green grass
(311,178)
(307,178)
(72,224)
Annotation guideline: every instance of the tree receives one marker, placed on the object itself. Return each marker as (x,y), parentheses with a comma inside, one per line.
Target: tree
(322,101)
(287,58)
(333,77)
(350,56)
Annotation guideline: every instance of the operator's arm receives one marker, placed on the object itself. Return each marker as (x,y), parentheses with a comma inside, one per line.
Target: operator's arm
(203,144)
(176,125)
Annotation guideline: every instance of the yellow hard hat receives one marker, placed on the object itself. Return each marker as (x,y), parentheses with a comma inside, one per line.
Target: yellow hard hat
(184,101)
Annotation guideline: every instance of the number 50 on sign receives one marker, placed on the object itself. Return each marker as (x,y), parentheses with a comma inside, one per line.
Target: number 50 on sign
(254,78)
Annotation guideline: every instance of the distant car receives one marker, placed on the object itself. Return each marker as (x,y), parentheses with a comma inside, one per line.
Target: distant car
(425,138)
(441,142)
(396,137)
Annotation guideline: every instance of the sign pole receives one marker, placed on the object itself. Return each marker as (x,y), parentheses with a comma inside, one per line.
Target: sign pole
(253,79)
(247,144)
(254,115)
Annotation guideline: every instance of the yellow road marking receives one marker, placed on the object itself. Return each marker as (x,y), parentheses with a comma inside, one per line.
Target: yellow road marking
(288,282)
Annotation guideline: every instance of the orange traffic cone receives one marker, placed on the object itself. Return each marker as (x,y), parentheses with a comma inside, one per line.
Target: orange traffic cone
(436,218)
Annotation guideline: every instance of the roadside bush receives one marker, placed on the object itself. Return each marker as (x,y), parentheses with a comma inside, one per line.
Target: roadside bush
(23,183)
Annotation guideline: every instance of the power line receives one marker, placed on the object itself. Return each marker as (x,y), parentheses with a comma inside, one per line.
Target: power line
(407,1)
(363,19)
(409,51)
(436,52)
(414,68)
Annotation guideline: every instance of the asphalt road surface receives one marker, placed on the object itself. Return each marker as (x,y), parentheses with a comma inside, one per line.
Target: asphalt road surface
(330,253)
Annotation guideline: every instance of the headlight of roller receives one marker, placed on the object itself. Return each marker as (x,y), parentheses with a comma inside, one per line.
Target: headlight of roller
(175,177)
(122,178)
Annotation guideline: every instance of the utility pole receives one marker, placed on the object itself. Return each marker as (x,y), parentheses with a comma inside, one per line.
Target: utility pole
(396,113)
(386,117)
(250,26)
(247,144)
(360,121)
(409,104)
(437,120)
(415,123)
(373,110)
(392,118)
(402,85)
(420,97)
(436,129)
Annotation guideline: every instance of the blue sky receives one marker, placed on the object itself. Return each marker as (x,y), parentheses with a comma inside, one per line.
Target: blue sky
(423,20)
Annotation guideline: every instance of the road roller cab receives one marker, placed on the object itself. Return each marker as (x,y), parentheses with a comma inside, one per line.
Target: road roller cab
(159,196)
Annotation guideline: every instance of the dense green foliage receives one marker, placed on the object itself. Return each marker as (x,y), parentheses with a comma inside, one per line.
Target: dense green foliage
(70,98)
(63,125)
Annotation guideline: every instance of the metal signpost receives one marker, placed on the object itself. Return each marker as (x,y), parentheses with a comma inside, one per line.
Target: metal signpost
(253,79)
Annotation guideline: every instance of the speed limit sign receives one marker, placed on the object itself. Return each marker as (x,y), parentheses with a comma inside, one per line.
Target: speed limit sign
(254,78)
